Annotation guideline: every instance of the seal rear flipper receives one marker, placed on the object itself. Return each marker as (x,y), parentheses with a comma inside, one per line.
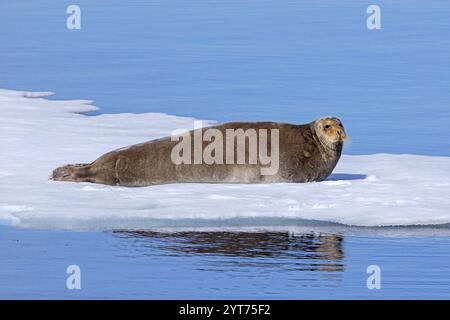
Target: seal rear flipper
(70,172)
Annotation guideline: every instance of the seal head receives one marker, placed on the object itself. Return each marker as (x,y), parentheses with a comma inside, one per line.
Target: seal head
(330,132)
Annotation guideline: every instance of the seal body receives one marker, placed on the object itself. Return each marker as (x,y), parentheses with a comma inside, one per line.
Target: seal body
(306,153)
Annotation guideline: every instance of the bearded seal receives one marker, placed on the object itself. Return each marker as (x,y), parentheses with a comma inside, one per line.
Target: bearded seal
(307,152)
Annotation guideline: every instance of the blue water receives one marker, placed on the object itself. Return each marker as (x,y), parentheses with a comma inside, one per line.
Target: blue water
(289,61)
(414,263)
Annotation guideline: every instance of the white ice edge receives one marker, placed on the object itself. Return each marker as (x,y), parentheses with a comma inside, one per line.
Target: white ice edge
(37,135)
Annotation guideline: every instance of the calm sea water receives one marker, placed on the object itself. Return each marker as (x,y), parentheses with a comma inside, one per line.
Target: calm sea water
(230,60)
(287,61)
(414,263)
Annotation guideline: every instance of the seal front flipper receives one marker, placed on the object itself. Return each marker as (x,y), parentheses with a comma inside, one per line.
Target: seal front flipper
(121,167)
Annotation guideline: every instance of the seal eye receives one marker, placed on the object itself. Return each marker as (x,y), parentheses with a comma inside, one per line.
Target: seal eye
(327,126)
(340,125)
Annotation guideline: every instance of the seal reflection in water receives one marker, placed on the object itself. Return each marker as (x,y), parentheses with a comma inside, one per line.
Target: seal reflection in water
(305,251)
(306,153)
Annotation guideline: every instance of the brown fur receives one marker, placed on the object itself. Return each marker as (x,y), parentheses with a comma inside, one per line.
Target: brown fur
(306,153)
